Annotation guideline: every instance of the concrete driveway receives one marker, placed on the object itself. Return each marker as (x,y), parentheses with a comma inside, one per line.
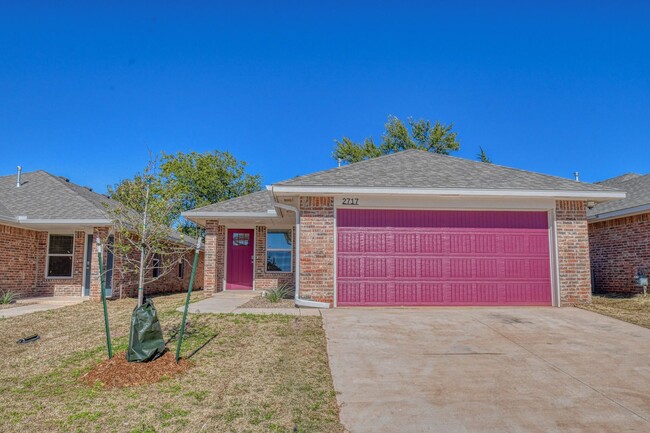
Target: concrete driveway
(488,370)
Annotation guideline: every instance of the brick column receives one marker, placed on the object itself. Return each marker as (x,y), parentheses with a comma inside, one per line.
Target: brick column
(95,282)
(317,248)
(215,244)
(573,252)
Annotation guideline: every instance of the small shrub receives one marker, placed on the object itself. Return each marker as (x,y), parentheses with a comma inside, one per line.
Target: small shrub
(283,291)
(7,297)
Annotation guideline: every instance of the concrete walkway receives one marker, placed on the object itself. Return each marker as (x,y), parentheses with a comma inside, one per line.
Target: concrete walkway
(488,370)
(231,301)
(221,302)
(34,305)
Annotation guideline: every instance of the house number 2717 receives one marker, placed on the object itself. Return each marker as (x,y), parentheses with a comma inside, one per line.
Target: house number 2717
(351,201)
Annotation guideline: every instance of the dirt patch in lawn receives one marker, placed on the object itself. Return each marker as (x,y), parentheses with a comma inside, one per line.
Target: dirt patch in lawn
(263,302)
(635,309)
(117,372)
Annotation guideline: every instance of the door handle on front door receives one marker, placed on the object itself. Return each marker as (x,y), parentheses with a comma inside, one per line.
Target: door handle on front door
(252,260)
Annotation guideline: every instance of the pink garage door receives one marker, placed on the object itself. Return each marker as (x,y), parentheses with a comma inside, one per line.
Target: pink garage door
(396,257)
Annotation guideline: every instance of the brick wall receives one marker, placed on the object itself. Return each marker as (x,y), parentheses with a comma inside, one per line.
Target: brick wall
(270,280)
(18,260)
(60,286)
(215,244)
(317,248)
(125,284)
(618,248)
(23,262)
(573,252)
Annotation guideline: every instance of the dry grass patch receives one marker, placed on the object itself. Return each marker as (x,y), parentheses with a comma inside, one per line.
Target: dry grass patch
(255,374)
(262,302)
(634,309)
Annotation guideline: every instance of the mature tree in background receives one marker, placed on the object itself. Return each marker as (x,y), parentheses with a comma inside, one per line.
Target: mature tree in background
(419,134)
(145,244)
(200,179)
(482,156)
(192,180)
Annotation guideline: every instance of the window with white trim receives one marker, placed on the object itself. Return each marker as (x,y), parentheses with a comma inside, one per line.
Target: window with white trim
(60,251)
(279,251)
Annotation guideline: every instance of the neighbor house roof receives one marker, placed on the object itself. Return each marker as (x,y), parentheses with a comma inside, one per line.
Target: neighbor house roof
(414,171)
(260,202)
(637,188)
(45,197)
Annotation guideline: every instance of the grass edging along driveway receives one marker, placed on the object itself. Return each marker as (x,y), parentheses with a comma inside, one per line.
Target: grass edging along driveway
(635,309)
(261,373)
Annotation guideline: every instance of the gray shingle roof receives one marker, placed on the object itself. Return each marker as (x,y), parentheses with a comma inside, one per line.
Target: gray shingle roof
(618,179)
(421,169)
(260,201)
(45,196)
(637,188)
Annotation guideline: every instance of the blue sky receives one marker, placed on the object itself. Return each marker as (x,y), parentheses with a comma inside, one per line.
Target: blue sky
(85,91)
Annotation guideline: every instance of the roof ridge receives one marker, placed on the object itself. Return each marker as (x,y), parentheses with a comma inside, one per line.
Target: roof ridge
(434,155)
(521,170)
(350,165)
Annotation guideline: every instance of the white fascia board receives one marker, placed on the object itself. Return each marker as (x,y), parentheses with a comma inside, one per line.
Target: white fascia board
(189,215)
(620,213)
(24,220)
(595,195)
(8,219)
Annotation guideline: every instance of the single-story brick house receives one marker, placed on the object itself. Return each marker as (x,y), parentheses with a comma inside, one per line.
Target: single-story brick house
(410,228)
(47,227)
(619,235)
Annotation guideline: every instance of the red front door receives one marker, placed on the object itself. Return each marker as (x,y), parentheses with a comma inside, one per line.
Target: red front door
(239,272)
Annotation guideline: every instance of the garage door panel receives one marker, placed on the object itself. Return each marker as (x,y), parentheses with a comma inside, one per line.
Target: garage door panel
(430,243)
(406,267)
(349,242)
(431,268)
(503,260)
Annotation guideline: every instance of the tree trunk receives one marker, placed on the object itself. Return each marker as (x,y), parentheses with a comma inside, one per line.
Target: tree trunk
(142,249)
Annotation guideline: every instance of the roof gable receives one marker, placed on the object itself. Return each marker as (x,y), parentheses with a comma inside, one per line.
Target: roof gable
(256,202)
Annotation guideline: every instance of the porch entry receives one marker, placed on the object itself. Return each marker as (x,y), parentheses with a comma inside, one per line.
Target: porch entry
(239,257)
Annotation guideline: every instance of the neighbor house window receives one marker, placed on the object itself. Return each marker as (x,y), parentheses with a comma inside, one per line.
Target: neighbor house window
(278,251)
(156,265)
(59,256)
(181,269)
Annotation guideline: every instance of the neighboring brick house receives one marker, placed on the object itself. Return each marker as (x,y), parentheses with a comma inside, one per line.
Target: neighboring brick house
(47,227)
(619,235)
(410,228)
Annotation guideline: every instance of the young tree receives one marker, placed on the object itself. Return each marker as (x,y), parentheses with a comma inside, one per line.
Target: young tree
(437,138)
(482,156)
(144,244)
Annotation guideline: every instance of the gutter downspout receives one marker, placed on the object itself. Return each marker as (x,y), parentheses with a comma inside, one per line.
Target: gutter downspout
(300,302)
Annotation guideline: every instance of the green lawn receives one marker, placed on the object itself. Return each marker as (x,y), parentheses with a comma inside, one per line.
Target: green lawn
(259,374)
